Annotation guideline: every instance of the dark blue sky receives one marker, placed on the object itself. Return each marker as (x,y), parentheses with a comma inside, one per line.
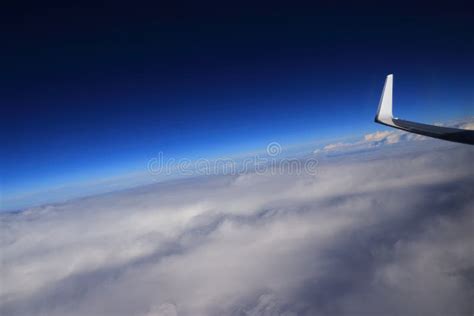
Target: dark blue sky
(94,92)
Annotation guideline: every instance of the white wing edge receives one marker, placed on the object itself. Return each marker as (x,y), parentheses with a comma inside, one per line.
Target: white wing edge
(384,112)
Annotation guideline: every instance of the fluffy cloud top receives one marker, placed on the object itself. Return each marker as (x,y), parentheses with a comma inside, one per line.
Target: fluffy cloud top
(469,126)
(371,140)
(380,234)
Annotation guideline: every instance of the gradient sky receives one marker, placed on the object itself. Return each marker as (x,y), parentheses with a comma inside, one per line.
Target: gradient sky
(91,93)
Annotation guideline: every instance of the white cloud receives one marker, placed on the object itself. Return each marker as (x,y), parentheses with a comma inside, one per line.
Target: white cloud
(361,236)
(371,140)
(469,126)
(377,136)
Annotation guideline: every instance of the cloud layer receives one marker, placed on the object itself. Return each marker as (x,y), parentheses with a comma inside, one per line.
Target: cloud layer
(385,232)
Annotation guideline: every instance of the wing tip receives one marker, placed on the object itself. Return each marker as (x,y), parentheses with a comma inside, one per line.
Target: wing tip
(384,111)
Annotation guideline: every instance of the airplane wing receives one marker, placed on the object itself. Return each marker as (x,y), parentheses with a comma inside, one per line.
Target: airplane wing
(385,116)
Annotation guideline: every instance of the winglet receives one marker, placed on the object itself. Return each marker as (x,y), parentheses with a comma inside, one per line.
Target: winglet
(384,112)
